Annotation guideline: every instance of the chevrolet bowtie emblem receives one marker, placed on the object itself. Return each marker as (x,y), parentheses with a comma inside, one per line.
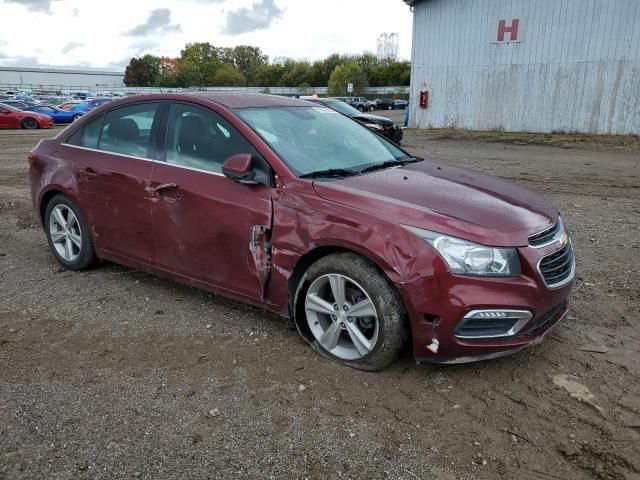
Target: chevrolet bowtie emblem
(564,239)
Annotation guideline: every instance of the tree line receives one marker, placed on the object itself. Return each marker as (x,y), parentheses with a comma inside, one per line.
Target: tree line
(202,64)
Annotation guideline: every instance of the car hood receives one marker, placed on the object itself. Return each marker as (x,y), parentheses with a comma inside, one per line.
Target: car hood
(373,119)
(446,199)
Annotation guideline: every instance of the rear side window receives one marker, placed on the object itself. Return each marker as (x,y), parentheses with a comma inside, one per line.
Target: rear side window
(88,135)
(127,130)
(91,132)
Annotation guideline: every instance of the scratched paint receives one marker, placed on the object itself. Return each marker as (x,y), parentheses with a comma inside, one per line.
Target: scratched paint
(575,66)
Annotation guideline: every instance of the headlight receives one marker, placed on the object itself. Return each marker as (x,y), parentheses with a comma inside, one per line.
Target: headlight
(468,258)
(375,126)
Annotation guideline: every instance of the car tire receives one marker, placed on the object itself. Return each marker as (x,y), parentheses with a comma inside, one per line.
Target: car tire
(360,108)
(75,117)
(68,234)
(374,336)
(390,107)
(30,123)
(372,108)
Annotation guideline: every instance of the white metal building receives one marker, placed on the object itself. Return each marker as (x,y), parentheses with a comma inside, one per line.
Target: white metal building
(34,78)
(527,65)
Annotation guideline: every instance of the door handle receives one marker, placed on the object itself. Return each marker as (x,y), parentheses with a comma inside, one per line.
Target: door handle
(161,187)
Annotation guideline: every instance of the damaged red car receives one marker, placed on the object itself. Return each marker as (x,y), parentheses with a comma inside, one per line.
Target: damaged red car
(292,207)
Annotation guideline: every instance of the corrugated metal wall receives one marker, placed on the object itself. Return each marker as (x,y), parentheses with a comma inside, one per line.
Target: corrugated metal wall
(575,68)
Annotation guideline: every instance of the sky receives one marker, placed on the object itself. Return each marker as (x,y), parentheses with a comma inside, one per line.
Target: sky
(106,34)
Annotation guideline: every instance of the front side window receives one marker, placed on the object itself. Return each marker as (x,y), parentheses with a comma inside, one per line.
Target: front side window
(200,138)
(313,139)
(127,130)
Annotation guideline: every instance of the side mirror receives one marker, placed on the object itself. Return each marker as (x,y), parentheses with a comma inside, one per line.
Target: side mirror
(239,169)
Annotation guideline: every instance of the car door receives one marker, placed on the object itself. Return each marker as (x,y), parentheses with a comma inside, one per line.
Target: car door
(113,155)
(7,119)
(208,227)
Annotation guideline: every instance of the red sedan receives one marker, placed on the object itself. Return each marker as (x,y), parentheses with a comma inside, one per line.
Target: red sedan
(11,117)
(302,211)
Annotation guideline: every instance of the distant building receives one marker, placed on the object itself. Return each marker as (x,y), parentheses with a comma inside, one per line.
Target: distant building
(526,65)
(59,79)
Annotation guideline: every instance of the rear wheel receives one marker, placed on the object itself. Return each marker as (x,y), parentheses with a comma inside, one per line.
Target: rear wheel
(361,108)
(29,123)
(68,234)
(352,312)
(390,107)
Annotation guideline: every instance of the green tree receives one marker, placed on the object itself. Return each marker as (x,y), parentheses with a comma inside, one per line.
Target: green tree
(142,72)
(344,74)
(296,73)
(248,60)
(228,76)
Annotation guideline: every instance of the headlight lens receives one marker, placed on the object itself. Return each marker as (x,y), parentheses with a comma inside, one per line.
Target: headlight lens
(375,126)
(468,258)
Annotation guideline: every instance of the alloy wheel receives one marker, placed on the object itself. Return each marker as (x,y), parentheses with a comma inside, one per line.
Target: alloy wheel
(342,317)
(65,232)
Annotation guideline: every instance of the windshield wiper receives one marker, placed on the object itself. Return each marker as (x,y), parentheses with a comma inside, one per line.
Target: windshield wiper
(391,163)
(331,173)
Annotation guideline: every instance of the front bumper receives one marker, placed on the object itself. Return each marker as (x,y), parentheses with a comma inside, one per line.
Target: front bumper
(438,304)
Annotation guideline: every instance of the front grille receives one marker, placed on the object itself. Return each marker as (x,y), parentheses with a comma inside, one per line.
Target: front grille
(557,268)
(545,237)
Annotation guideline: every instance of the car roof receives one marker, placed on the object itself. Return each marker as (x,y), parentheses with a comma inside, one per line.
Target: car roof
(232,100)
(249,100)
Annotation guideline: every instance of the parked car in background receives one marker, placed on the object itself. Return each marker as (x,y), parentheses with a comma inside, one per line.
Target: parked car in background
(401,104)
(68,104)
(11,117)
(59,116)
(20,104)
(381,125)
(385,103)
(87,106)
(296,209)
(96,102)
(361,104)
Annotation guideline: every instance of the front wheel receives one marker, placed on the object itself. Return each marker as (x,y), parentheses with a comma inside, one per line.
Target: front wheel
(354,315)
(390,107)
(75,117)
(372,108)
(30,123)
(68,234)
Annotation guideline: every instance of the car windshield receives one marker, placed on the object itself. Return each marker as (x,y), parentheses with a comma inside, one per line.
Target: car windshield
(4,106)
(340,106)
(317,139)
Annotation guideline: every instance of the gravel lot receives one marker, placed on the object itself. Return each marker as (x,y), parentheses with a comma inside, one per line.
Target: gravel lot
(111,373)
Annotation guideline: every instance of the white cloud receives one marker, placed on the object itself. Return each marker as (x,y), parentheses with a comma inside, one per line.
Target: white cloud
(102,33)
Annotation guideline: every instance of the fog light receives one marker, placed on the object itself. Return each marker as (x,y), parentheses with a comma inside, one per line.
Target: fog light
(492,323)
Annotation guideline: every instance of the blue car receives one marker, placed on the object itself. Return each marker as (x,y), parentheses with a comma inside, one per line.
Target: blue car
(59,116)
(89,105)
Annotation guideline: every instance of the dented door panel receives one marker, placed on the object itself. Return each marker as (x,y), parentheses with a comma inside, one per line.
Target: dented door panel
(212,229)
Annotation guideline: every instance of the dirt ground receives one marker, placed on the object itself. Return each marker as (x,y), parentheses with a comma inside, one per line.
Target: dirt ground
(111,373)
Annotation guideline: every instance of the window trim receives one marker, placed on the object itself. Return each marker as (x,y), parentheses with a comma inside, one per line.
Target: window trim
(106,152)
